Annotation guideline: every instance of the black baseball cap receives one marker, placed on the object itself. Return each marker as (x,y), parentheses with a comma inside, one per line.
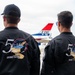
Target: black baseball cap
(12,10)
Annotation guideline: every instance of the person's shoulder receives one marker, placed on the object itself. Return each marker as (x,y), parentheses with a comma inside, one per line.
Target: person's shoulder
(56,39)
(2,32)
(27,35)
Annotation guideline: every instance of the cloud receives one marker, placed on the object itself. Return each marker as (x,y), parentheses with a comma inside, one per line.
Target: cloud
(37,13)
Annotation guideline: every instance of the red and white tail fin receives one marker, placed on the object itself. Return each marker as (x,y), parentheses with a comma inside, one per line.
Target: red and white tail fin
(48,27)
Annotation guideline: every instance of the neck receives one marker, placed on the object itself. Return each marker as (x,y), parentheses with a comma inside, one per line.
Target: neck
(65,30)
(10,25)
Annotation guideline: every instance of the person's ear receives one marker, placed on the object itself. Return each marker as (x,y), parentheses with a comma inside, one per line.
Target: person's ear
(58,23)
(18,20)
(71,24)
(4,18)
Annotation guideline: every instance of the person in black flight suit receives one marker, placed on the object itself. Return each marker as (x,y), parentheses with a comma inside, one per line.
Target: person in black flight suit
(59,56)
(19,52)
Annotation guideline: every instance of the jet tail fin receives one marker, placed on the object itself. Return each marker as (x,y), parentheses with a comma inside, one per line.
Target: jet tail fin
(48,27)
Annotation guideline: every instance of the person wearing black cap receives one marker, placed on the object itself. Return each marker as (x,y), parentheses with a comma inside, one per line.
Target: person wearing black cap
(59,56)
(19,52)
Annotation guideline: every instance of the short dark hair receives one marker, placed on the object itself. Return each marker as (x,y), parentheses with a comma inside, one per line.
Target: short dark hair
(12,19)
(65,18)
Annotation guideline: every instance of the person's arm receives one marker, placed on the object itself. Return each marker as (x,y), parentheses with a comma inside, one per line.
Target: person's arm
(1,48)
(35,61)
(48,61)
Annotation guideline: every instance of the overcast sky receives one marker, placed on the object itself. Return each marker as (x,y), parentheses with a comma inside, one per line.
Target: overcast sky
(35,14)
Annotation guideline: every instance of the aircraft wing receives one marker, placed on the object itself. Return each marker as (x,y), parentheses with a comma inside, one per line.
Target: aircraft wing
(39,40)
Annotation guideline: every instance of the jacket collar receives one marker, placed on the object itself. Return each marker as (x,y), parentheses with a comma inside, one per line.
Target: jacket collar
(11,28)
(66,33)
